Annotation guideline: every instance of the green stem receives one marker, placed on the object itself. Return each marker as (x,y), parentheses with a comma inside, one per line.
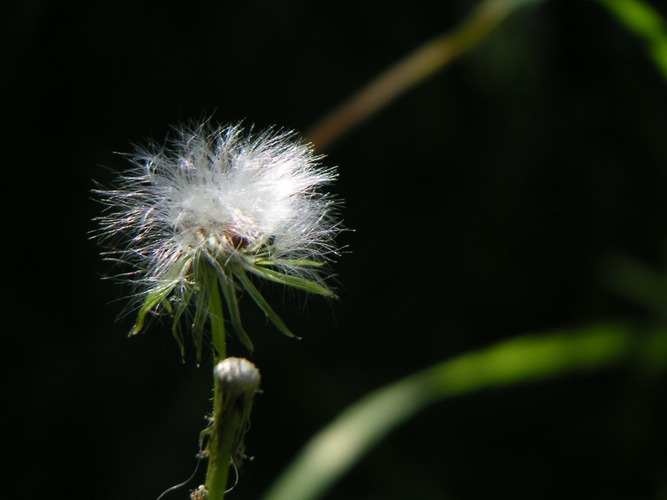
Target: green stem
(219,446)
(220,451)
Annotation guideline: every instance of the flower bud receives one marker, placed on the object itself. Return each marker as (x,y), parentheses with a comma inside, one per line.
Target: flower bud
(237,375)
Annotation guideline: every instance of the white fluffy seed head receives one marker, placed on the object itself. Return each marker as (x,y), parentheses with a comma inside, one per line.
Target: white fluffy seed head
(221,195)
(213,210)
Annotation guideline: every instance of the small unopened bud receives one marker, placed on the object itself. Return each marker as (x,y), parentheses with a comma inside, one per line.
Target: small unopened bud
(237,374)
(237,382)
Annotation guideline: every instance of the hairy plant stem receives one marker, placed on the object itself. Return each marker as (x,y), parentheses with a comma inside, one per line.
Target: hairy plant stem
(219,446)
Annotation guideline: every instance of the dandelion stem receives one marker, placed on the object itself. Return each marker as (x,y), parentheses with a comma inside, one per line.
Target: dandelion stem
(219,445)
(220,448)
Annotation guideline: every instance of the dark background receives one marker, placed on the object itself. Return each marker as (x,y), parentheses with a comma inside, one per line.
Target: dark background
(485,203)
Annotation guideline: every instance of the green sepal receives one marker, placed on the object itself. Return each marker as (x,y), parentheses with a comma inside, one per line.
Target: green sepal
(153,300)
(261,302)
(179,309)
(289,263)
(293,281)
(216,317)
(229,292)
(202,307)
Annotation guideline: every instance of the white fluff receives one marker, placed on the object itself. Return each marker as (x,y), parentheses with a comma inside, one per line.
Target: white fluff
(224,197)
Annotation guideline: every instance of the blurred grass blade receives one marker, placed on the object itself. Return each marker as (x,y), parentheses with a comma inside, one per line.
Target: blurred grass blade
(637,282)
(413,69)
(643,20)
(336,448)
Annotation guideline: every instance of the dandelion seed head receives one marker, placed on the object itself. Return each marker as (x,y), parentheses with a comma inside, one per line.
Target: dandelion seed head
(224,197)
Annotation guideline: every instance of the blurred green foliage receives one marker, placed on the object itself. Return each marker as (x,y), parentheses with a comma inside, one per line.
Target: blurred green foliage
(645,21)
(336,448)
